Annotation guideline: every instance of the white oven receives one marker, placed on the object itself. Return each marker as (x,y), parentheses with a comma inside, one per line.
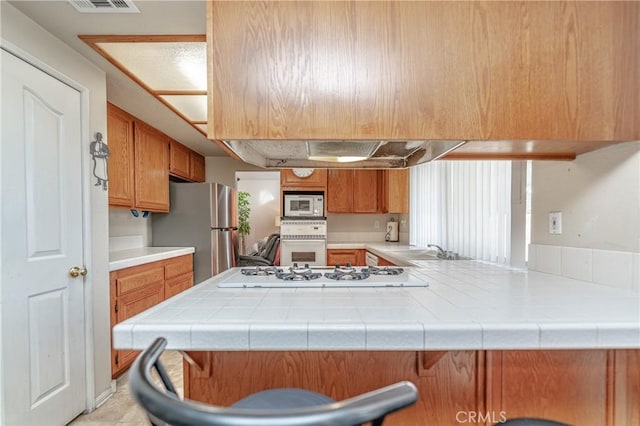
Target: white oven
(300,204)
(303,242)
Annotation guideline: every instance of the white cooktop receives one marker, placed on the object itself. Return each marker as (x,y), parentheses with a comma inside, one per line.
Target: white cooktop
(239,280)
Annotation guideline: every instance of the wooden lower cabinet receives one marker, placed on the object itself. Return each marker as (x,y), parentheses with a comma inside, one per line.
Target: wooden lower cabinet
(384,262)
(136,289)
(343,256)
(580,387)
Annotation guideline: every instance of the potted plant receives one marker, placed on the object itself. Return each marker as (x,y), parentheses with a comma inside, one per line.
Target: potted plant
(244,228)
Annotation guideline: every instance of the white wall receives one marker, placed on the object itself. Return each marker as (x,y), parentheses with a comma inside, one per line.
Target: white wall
(223,169)
(264,188)
(25,34)
(598,194)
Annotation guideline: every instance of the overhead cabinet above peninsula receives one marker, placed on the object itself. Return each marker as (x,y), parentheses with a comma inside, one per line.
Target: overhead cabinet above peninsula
(522,79)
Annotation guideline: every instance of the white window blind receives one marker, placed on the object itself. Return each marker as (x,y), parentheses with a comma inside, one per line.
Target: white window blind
(464,207)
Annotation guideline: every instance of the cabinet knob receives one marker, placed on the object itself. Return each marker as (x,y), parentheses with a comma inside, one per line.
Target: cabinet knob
(77,271)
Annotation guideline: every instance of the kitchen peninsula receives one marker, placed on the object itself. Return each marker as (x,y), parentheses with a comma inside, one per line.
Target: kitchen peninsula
(480,338)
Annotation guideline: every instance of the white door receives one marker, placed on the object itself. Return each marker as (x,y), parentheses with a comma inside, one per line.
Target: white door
(43,351)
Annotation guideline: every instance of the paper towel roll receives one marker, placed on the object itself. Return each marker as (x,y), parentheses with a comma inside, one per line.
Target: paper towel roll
(392,232)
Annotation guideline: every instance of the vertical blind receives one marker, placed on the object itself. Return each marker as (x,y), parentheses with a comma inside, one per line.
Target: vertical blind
(464,207)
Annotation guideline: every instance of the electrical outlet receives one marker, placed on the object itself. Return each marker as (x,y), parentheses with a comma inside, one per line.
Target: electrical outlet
(555,223)
(376,224)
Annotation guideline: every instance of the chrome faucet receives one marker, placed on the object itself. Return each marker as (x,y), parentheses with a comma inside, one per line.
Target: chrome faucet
(441,253)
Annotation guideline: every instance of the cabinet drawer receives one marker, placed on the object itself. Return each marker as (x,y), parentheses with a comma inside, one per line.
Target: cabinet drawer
(178,284)
(178,266)
(136,279)
(140,300)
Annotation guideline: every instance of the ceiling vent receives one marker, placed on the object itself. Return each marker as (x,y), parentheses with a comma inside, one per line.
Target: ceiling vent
(104,6)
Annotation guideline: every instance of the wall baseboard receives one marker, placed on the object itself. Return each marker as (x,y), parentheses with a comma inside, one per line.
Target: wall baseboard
(104,396)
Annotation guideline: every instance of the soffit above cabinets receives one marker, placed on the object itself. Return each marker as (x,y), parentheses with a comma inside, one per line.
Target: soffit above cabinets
(171,67)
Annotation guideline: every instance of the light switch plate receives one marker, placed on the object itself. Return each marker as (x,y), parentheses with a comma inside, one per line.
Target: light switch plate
(555,222)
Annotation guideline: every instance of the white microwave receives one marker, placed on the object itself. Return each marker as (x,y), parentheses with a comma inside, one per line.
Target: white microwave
(304,205)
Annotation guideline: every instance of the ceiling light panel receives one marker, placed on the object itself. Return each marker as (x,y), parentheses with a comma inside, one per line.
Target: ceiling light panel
(194,107)
(163,65)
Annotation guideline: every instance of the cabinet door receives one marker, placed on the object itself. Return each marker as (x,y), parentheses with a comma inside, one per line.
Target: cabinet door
(120,161)
(317,180)
(197,172)
(339,191)
(151,169)
(179,160)
(342,257)
(397,190)
(568,386)
(365,191)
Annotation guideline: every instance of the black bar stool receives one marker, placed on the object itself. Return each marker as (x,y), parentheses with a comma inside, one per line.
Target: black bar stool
(275,407)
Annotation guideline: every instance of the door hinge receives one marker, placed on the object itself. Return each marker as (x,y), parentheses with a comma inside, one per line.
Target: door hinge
(115,307)
(117,360)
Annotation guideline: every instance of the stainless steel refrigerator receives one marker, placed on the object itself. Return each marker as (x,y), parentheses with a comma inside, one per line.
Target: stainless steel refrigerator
(202,215)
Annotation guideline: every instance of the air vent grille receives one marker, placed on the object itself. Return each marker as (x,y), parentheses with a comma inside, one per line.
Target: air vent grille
(104,6)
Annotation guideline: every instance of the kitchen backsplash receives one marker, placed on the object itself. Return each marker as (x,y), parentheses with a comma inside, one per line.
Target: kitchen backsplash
(123,223)
(608,267)
(354,228)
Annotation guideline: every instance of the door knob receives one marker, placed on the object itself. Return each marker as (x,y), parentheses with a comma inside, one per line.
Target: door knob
(76,271)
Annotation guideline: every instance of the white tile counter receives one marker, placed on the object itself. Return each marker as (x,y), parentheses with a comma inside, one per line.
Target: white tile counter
(398,253)
(137,256)
(468,305)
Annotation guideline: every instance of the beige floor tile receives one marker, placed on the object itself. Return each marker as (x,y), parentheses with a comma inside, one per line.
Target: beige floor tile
(121,409)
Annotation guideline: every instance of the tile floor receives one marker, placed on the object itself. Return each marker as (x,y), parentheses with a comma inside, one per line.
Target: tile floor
(121,409)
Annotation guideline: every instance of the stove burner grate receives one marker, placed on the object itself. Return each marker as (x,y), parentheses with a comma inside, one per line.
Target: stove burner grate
(261,271)
(347,273)
(298,274)
(386,270)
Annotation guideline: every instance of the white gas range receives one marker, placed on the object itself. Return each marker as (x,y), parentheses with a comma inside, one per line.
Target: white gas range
(323,276)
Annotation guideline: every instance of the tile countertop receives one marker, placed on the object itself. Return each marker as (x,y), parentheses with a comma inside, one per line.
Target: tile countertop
(468,305)
(402,254)
(137,256)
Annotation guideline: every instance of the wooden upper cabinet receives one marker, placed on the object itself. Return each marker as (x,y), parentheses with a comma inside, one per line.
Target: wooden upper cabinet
(185,163)
(339,195)
(197,170)
(352,191)
(394,191)
(179,159)
(554,71)
(365,191)
(151,169)
(120,161)
(317,180)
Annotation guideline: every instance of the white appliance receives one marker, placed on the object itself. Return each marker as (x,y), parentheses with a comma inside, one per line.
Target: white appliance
(308,204)
(303,241)
(201,216)
(273,277)
(370,259)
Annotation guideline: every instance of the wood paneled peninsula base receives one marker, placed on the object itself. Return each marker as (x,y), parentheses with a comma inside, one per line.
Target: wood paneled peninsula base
(580,387)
